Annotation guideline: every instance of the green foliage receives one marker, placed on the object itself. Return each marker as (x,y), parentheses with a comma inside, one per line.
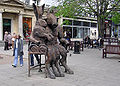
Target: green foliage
(116,17)
(102,9)
(66,22)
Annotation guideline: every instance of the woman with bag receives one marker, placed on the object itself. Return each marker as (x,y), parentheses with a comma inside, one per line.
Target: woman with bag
(18,51)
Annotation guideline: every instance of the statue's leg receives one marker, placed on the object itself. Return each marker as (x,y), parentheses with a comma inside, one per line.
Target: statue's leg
(59,69)
(63,53)
(57,74)
(47,66)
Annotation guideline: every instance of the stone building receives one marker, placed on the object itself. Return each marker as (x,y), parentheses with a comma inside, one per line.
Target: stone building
(16,17)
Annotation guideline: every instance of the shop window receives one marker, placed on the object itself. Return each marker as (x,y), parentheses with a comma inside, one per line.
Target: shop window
(27,27)
(86,32)
(77,23)
(86,24)
(93,25)
(77,32)
(67,22)
(67,32)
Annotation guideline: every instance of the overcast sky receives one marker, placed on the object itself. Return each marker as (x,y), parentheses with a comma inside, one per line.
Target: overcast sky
(49,2)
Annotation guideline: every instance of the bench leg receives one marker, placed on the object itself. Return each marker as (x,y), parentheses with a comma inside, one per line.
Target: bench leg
(40,65)
(103,54)
(28,65)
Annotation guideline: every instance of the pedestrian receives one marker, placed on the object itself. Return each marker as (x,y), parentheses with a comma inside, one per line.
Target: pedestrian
(18,51)
(6,41)
(13,39)
(9,41)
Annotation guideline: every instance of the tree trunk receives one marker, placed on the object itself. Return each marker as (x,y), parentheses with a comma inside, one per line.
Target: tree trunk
(100,22)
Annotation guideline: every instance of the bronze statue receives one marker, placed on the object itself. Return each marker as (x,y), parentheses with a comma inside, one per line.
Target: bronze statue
(46,33)
(57,32)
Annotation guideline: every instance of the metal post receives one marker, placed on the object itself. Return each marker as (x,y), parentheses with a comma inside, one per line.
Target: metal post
(72,28)
(28,64)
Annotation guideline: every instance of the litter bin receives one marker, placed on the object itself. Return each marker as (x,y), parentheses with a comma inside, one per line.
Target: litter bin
(76,47)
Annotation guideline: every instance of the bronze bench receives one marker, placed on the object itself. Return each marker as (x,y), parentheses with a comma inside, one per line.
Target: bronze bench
(40,50)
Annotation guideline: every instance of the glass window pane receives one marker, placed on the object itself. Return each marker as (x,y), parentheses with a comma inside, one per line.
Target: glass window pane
(67,32)
(86,24)
(77,23)
(93,25)
(86,32)
(77,32)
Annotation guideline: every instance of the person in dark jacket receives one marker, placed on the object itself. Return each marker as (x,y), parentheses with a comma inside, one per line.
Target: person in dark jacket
(18,51)
(6,41)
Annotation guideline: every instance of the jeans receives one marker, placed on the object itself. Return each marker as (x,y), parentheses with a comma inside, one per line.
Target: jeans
(6,46)
(32,59)
(16,58)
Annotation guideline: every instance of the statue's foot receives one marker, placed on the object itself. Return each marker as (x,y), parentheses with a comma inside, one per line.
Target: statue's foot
(62,75)
(52,76)
(70,72)
(57,75)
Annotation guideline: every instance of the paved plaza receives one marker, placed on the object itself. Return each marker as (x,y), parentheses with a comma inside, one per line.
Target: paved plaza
(89,70)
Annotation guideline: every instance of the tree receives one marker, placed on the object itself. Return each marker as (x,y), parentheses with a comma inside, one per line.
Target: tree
(116,17)
(101,9)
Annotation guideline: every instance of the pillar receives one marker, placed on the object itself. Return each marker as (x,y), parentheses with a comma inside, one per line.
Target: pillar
(1,27)
(20,25)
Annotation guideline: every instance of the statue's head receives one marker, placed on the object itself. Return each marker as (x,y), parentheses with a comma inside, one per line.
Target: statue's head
(52,19)
(41,22)
(38,10)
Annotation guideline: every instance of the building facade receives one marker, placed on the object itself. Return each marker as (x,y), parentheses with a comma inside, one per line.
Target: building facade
(16,17)
(79,28)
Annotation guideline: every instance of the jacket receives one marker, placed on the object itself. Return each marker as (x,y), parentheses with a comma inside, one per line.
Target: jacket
(20,47)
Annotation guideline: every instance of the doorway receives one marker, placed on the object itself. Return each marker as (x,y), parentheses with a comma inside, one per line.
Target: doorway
(6,26)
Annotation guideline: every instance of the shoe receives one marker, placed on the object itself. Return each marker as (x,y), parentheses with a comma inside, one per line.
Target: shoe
(21,65)
(32,65)
(14,66)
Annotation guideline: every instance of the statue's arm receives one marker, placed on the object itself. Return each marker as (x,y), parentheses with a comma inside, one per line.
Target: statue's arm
(42,34)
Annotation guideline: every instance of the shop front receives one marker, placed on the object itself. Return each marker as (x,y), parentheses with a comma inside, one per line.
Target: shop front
(27,27)
(16,17)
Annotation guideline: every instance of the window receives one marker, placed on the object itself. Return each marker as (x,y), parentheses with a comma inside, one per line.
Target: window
(77,32)
(77,23)
(86,32)
(93,24)
(86,24)
(67,32)
(67,22)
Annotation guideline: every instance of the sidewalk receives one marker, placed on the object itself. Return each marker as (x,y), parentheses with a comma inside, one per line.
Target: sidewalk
(89,70)
(7,56)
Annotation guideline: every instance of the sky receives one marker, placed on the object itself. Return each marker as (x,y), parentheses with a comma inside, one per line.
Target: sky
(49,2)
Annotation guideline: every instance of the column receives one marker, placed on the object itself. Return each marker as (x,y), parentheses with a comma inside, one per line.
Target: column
(72,28)
(20,25)
(1,27)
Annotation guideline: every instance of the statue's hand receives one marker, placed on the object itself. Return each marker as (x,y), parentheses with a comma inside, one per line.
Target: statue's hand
(51,36)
